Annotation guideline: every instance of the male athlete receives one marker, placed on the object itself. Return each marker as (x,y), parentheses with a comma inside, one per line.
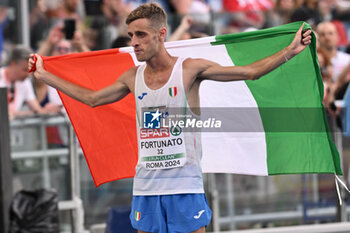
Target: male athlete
(168,197)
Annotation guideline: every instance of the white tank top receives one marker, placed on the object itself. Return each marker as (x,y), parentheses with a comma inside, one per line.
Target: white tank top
(169,159)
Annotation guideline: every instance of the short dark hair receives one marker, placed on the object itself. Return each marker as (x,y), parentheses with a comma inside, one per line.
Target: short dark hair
(20,53)
(152,11)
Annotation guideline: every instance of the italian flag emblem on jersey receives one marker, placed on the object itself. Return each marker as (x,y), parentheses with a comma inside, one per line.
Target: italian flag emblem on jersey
(172,91)
(137,216)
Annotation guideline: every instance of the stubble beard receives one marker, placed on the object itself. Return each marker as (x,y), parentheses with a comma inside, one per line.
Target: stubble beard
(140,59)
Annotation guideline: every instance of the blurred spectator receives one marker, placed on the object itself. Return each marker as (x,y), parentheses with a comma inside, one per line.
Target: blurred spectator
(328,39)
(216,6)
(51,102)
(46,13)
(182,31)
(281,14)
(39,22)
(198,10)
(185,31)
(3,22)
(116,11)
(63,47)
(15,77)
(334,9)
(55,35)
(326,69)
(135,3)
(331,11)
(299,3)
(92,36)
(342,82)
(121,41)
(185,7)
(342,34)
(55,45)
(46,95)
(78,44)
(102,30)
(246,14)
(67,9)
(309,12)
(325,8)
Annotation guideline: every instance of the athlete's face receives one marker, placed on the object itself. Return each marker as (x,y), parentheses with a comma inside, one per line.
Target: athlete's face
(145,39)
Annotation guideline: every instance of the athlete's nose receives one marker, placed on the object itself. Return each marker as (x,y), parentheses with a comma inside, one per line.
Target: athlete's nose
(134,42)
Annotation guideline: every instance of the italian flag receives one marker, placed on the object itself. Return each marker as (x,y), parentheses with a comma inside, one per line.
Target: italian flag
(137,215)
(290,133)
(172,91)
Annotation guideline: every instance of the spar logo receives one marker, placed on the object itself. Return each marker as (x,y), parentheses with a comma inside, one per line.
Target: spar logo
(154,133)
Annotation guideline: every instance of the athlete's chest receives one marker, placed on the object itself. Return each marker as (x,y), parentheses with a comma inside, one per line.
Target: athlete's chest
(157,80)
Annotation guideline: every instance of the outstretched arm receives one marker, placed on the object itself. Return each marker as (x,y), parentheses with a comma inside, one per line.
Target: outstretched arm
(213,71)
(109,94)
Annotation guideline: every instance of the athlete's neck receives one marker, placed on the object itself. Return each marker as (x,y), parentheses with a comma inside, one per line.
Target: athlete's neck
(160,62)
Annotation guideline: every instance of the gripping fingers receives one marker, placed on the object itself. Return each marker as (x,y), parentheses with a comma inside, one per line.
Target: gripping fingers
(306,32)
(33,63)
(307,40)
(306,36)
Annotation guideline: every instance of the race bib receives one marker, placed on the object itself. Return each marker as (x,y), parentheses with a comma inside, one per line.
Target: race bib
(160,147)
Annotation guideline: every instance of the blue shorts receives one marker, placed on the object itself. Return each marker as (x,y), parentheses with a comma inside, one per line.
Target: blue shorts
(170,213)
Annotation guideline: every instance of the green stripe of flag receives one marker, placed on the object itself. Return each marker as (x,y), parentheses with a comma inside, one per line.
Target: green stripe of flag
(295,84)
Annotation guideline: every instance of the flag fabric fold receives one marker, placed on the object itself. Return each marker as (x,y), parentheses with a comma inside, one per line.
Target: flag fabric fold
(285,106)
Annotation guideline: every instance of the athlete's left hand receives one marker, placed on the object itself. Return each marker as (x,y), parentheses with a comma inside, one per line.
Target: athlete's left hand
(301,40)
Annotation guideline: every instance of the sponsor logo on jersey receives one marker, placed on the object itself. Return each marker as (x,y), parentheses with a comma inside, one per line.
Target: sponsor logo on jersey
(154,133)
(143,95)
(175,130)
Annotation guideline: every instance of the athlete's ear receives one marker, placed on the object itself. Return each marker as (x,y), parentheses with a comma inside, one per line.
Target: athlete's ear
(162,33)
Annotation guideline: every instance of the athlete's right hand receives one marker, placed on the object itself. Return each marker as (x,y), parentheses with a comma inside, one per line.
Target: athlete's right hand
(35,64)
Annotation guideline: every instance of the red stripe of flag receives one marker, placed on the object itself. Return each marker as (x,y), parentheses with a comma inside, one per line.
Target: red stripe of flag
(100,129)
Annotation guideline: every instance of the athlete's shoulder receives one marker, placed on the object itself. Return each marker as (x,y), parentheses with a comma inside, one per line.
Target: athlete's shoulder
(196,65)
(128,77)
(129,74)
(132,71)
(195,62)
(191,61)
